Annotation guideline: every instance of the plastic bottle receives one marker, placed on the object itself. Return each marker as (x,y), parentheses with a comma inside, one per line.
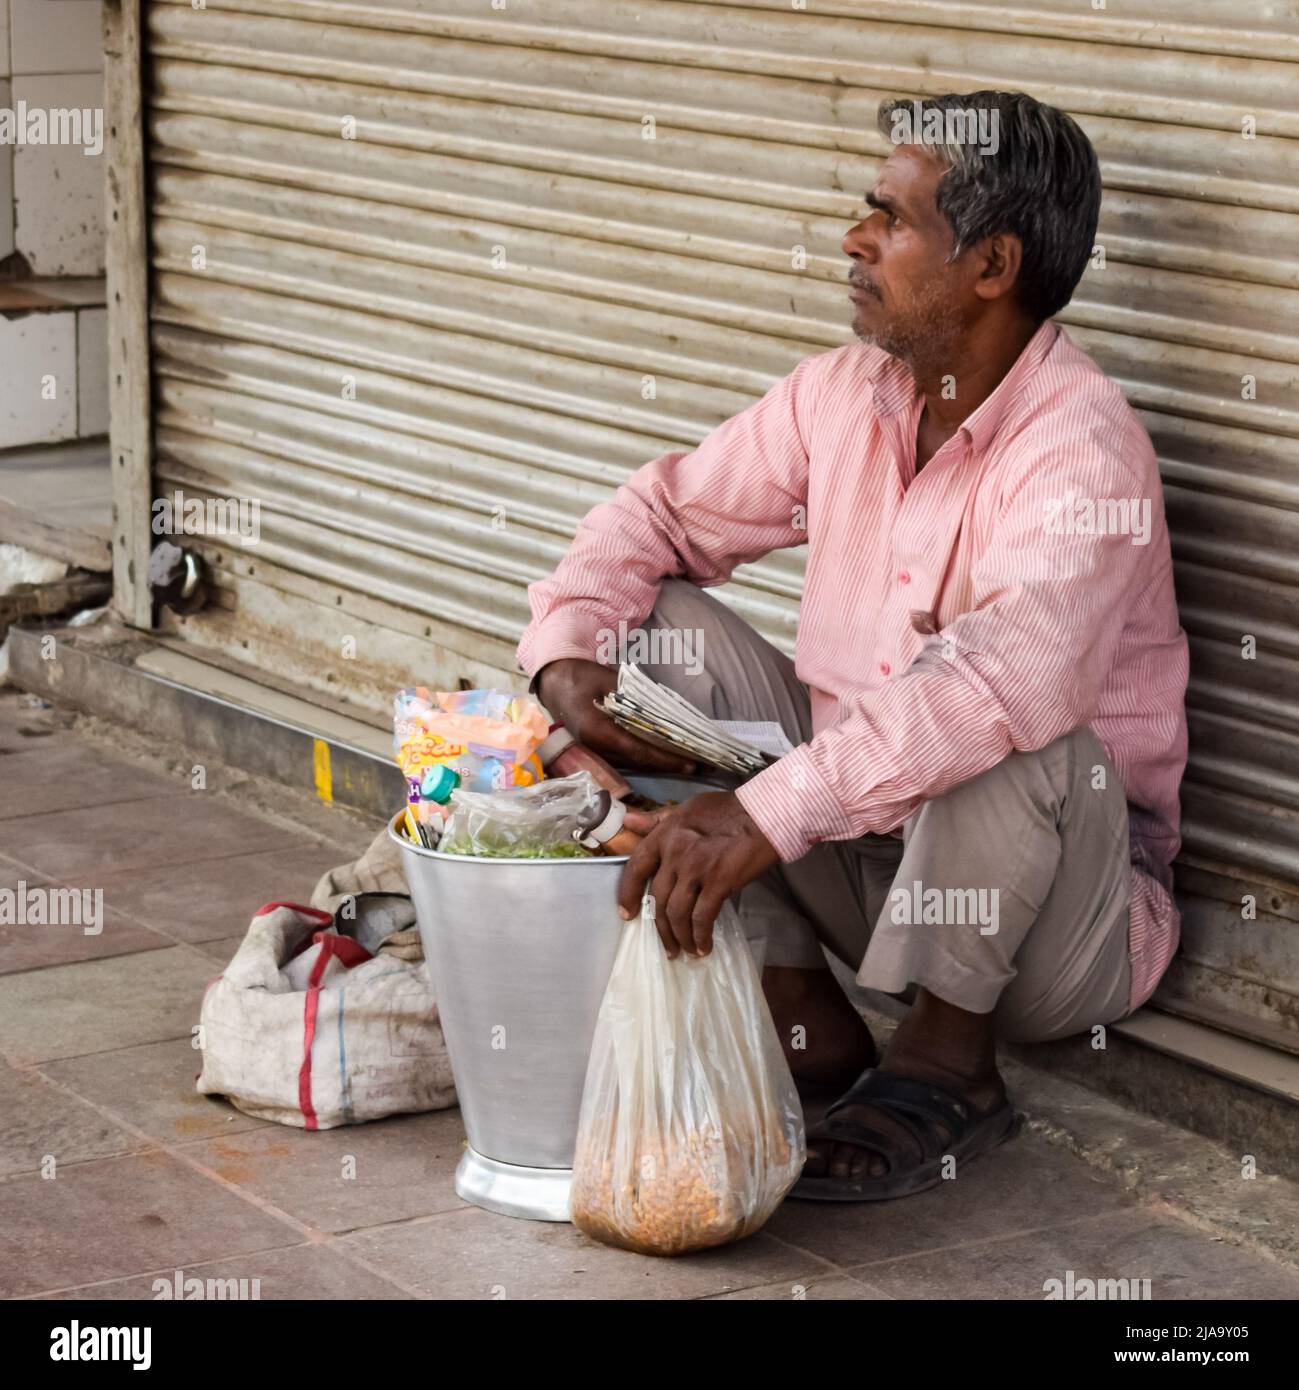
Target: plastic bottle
(435,785)
(562,755)
(602,827)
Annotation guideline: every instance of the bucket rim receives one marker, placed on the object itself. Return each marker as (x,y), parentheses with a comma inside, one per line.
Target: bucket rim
(410,847)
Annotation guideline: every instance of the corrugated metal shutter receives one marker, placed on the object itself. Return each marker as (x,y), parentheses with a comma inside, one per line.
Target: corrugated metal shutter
(502,260)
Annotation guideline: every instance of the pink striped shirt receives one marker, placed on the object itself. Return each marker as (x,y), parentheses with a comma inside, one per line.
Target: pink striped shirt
(1018,587)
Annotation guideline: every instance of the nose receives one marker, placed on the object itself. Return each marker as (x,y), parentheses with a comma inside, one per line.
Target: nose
(859,242)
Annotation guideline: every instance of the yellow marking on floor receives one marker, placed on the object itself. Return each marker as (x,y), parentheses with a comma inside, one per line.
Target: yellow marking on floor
(323,772)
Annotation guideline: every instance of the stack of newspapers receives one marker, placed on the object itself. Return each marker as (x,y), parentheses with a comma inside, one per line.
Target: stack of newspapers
(663,717)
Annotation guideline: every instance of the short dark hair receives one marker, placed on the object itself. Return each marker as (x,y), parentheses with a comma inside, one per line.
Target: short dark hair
(1042,183)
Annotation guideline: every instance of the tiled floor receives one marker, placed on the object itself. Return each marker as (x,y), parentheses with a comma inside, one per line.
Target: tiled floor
(115,1173)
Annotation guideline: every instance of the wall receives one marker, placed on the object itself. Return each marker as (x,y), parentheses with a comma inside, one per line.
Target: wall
(53,334)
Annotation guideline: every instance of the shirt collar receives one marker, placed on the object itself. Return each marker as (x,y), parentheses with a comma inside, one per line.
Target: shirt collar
(895,388)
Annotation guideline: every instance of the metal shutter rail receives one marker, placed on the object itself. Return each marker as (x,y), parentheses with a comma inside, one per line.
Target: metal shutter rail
(520,388)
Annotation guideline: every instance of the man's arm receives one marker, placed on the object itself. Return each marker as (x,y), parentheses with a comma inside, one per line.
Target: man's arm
(695,514)
(1024,666)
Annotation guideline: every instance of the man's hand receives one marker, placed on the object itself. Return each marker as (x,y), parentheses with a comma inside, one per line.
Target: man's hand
(697,855)
(569,689)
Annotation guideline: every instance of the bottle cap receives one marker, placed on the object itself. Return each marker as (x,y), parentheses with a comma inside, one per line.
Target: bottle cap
(554,744)
(602,822)
(438,782)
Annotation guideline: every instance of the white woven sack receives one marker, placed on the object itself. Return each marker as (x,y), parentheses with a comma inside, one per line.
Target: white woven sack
(362,1040)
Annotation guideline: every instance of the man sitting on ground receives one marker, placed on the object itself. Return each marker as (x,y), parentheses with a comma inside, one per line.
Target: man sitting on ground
(986,701)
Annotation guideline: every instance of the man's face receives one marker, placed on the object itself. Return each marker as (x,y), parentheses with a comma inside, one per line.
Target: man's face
(907,298)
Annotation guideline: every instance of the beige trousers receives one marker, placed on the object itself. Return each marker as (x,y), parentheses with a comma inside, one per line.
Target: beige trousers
(1006,895)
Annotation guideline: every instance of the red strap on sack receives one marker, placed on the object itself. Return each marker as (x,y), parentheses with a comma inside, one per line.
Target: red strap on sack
(351,953)
(324,918)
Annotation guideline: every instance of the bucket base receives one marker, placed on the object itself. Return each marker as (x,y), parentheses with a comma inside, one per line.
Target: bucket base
(538,1194)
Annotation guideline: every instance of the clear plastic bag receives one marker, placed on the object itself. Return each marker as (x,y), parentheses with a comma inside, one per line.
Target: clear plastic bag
(534,822)
(691,1130)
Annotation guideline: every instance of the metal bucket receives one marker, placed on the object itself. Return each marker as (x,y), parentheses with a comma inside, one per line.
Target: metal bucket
(520,952)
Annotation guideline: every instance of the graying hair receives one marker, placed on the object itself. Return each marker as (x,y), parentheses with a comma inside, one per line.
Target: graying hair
(1041,183)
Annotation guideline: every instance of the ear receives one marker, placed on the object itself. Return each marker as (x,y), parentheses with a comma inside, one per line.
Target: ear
(1002,257)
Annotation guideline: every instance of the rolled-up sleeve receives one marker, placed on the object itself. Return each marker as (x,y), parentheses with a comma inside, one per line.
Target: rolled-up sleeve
(1022,666)
(695,514)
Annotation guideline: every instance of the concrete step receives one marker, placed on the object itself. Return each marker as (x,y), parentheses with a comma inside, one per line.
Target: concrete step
(113,672)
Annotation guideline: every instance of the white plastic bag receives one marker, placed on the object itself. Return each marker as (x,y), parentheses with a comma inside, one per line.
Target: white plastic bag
(691,1130)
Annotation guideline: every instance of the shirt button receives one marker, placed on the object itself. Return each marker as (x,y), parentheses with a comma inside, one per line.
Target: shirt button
(885,668)
(904,577)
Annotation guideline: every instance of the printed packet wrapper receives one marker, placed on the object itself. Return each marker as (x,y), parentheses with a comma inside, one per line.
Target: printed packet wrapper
(488,737)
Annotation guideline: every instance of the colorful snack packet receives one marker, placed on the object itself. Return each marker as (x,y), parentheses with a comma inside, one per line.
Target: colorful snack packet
(487,738)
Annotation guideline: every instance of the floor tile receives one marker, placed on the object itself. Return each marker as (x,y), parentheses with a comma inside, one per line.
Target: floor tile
(822,1288)
(63,774)
(341,1179)
(121,1216)
(987,1198)
(31,945)
(470,1254)
(40,1122)
(298,1272)
(152,1088)
(181,830)
(11,874)
(221,950)
(1180,1263)
(215,897)
(101,1005)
